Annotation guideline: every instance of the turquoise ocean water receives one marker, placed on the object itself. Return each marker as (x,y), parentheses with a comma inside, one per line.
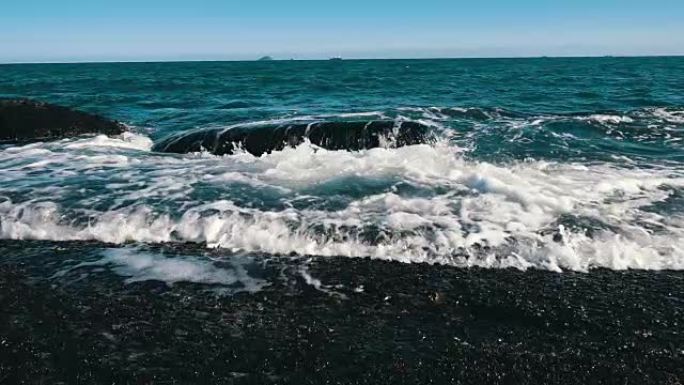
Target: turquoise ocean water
(548,163)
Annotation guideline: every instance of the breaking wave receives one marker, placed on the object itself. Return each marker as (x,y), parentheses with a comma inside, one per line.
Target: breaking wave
(441,203)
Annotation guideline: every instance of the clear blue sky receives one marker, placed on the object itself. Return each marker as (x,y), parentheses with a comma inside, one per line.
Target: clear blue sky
(97,30)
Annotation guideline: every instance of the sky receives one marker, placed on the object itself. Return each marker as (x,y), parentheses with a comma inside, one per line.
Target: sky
(151,30)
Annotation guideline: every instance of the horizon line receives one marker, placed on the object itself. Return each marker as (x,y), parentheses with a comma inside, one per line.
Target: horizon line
(274,59)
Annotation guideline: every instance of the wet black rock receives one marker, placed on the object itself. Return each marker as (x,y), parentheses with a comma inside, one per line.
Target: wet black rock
(23,120)
(261,139)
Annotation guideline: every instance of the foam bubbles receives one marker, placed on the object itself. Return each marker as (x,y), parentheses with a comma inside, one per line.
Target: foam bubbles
(608,119)
(126,140)
(138,266)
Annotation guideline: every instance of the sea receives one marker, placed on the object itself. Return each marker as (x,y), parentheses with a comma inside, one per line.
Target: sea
(538,237)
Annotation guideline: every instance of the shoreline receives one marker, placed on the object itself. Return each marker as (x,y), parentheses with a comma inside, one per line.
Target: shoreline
(342,320)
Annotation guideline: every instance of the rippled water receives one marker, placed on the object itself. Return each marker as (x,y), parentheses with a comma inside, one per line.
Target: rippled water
(548,163)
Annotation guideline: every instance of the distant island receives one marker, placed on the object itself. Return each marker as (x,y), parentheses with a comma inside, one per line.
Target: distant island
(265,58)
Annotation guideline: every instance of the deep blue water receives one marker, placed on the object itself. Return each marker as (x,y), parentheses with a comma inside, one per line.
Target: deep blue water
(549,163)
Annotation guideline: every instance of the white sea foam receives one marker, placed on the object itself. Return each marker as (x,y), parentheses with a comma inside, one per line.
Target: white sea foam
(139,266)
(669,116)
(606,118)
(472,214)
(318,285)
(126,140)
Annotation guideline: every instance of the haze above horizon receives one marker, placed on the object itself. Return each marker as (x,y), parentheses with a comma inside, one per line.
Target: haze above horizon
(80,30)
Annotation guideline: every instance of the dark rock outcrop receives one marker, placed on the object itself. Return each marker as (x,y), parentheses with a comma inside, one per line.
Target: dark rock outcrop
(260,139)
(23,120)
